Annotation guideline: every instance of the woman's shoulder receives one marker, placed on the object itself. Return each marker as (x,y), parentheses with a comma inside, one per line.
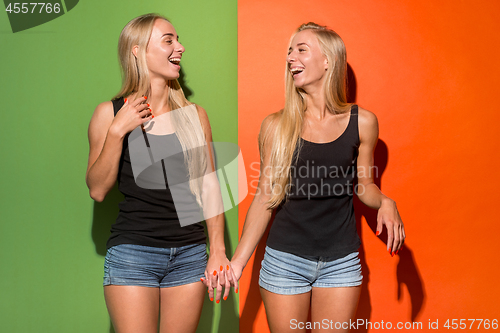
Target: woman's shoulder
(366,118)
(368,125)
(107,105)
(205,122)
(268,128)
(202,113)
(201,110)
(103,111)
(271,120)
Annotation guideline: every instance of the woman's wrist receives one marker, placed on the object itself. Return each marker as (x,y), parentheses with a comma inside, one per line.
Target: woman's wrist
(238,260)
(241,263)
(217,249)
(386,201)
(114,132)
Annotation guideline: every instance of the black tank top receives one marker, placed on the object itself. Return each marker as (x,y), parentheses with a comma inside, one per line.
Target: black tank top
(148,217)
(317,219)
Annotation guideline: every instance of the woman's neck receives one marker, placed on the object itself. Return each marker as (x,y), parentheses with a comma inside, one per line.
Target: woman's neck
(316,105)
(159,96)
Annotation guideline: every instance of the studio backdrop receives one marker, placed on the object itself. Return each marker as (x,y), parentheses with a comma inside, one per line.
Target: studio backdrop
(427,69)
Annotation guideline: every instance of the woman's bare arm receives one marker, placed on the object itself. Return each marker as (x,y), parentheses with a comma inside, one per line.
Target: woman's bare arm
(106,134)
(211,196)
(368,192)
(259,214)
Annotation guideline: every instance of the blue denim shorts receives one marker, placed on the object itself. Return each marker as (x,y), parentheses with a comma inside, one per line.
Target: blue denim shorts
(137,265)
(288,274)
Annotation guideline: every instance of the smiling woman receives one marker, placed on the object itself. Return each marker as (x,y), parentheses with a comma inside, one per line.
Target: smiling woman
(153,265)
(311,259)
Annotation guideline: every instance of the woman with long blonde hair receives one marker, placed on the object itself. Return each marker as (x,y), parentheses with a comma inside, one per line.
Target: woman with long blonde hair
(157,248)
(315,154)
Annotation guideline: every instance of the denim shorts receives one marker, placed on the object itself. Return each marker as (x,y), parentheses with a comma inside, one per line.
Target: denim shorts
(289,274)
(138,265)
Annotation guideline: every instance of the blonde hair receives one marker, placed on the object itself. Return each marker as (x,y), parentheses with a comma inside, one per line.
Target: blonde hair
(288,128)
(136,80)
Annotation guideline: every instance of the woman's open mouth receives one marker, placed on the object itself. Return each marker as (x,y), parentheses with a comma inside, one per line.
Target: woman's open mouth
(175,61)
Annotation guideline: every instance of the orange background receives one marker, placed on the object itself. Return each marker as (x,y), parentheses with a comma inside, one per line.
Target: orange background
(430,72)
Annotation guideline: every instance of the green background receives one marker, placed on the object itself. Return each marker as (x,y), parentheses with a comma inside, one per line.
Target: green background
(52,235)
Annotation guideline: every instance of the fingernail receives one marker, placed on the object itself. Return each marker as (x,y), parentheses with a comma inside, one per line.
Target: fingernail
(389,250)
(152,116)
(378,233)
(145,97)
(212,299)
(201,279)
(225,298)
(125,100)
(392,254)
(236,290)
(227,267)
(217,301)
(221,268)
(148,104)
(208,291)
(397,251)
(215,273)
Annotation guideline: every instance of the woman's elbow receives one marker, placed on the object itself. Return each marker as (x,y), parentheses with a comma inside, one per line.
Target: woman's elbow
(96,196)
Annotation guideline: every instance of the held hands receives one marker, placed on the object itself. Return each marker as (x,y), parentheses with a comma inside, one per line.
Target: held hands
(388,215)
(132,114)
(219,273)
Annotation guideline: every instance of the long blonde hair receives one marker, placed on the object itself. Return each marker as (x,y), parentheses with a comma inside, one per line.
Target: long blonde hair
(288,128)
(136,80)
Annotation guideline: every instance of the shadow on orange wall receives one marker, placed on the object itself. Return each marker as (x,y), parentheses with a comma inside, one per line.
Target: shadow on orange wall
(407,271)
